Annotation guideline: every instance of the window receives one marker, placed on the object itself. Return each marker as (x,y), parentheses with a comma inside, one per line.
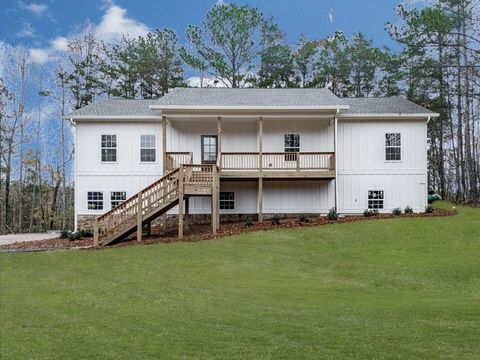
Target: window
(147,148)
(95,200)
(375,199)
(227,200)
(292,144)
(117,197)
(393,147)
(109,148)
(209,149)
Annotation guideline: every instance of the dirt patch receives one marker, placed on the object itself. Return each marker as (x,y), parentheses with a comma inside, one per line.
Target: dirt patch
(203,232)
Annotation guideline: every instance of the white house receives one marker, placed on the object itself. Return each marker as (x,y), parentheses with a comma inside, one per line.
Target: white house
(246,152)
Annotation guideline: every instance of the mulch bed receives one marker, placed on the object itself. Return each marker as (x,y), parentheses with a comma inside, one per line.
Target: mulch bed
(203,232)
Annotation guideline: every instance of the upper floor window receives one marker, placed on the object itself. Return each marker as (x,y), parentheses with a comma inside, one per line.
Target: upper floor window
(292,144)
(227,200)
(148,148)
(117,197)
(95,200)
(393,147)
(209,149)
(375,199)
(109,148)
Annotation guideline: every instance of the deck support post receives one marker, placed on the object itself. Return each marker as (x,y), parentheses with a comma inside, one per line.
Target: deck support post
(214,214)
(260,168)
(95,233)
(180,202)
(164,144)
(139,216)
(187,212)
(219,136)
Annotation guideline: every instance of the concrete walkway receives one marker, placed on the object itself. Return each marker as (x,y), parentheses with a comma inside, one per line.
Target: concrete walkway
(13,238)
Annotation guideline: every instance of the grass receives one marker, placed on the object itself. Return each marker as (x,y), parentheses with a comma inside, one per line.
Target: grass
(384,289)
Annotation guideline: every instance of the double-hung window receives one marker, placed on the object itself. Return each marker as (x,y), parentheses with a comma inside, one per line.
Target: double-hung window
(227,200)
(117,197)
(148,148)
(95,200)
(109,148)
(393,147)
(292,145)
(375,199)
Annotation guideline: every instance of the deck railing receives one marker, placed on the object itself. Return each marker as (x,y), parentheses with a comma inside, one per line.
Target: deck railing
(295,161)
(174,159)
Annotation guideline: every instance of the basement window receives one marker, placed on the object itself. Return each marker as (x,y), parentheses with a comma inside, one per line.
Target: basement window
(375,199)
(109,148)
(292,145)
(148,148)
(117,197)
(393,147)
(227,200)
(95,200)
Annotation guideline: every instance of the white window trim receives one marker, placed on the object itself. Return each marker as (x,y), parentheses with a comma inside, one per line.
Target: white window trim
(103,201)
(110,198)
(140,149)
(234,200)
(384,198)
(108,162)
(385,147)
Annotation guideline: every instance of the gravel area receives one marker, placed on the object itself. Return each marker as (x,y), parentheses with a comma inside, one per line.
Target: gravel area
(14,238)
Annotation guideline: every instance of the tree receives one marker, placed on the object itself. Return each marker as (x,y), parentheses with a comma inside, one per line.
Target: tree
(227,44)
(305,58)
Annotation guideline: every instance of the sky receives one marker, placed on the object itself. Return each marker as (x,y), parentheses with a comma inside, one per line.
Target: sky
(43,25)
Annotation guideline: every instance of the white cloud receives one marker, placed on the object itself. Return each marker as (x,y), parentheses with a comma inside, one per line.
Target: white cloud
(36,8)
(330,16)
(60,43)
(39,56)
(27,31)
(115,23)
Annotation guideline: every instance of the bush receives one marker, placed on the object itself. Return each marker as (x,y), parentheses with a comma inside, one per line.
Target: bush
(248,223)
(370,213)
(408,210)
(275,220)
(332,214)
(397,211)
(75,236)
(86,233)
(65,234)
(429,209)
(303,218)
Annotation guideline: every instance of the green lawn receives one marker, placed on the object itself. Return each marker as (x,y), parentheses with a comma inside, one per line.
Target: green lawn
(386,289)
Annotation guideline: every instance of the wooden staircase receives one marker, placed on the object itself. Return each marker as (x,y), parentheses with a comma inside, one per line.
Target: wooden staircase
(155,200)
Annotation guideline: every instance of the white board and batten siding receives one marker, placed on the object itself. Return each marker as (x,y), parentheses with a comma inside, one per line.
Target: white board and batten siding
(362,164)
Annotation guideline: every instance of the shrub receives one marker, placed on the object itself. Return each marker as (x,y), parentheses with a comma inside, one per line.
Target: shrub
(65,234)
(429,209)
(248,223)
(275,220)
(408,210)
(370,213)
(397,211)
(74,236)
(303,218)
(332,214)
(86,233)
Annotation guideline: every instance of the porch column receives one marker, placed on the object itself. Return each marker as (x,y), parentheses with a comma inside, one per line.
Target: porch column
(260,166)
(180,202)
(164,143)
(139,216)
(219,138)
(214,213)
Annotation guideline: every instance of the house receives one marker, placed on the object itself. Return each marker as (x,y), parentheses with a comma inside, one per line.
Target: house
(220,154)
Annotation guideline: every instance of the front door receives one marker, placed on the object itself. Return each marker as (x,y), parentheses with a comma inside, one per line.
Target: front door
(209,149)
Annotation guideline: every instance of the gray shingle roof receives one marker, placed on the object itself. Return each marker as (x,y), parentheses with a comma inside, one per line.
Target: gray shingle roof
(117,107)
(390,105)
(250,97)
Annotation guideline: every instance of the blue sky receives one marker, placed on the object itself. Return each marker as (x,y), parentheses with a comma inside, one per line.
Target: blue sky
(39,23)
